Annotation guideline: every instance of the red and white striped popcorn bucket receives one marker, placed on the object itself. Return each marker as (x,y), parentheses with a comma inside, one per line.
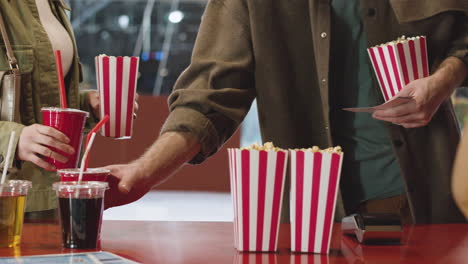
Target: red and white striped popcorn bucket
(315,180)
(116,81)
(255,258)
(257,185)
(398,63)
(308,259)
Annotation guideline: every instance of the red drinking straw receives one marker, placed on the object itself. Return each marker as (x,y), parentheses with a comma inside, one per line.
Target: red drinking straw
(63,95)
(94,130)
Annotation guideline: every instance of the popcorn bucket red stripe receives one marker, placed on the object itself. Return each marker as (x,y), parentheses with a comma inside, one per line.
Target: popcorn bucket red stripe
(423,46)
(280,172)
(331,201)
(116,79)
(262,172)
(387,82)
(404,66)
(299,196)
(131,94)
(106,89)
(396,68)
(245,155)
(118,82)
(378,71)
(315,199)
(413,59)
(236,186)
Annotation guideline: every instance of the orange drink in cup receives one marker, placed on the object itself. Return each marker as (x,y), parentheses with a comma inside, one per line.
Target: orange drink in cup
(12,203)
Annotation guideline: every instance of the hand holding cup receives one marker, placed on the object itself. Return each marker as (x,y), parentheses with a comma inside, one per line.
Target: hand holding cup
(35,141)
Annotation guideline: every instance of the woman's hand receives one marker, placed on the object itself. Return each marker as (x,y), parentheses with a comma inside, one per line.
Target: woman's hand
(35,141)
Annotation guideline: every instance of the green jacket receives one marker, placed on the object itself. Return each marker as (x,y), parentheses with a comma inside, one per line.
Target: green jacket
(279,52)
(39,88)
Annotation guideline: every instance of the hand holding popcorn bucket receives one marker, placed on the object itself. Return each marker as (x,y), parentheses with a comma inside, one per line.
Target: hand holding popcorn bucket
(399,62)
(315,176)
(257,183)
(116,81)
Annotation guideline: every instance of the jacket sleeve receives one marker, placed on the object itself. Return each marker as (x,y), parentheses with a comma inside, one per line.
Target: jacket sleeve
(6,128)
(213,95)
(459,47)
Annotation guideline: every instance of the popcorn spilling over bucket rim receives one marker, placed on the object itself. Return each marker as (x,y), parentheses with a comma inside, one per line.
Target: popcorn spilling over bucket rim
(257,186)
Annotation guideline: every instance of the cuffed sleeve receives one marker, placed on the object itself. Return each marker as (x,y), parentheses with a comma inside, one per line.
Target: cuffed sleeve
(6,128)
(213,95)
(185,119)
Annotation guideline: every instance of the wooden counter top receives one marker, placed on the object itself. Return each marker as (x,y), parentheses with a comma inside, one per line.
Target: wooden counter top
(212,243)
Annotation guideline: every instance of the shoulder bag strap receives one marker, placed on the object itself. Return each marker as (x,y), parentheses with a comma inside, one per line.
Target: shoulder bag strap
(10,88)
(9,51)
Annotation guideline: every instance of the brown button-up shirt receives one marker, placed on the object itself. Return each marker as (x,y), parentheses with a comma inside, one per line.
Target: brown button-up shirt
(279,52)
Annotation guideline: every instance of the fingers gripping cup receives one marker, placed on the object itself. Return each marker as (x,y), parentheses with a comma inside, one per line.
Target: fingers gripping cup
(116,81)
(12,203)
(88,175)
(71,122)
(80,208)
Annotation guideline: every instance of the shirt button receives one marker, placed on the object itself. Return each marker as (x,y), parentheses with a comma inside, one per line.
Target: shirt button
(326,128)
(324,80)
(323,34)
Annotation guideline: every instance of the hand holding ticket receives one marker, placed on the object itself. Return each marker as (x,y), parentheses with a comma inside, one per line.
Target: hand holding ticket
(396,64)
(387,105)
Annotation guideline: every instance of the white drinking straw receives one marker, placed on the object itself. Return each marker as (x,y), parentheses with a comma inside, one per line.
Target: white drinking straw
(85,156)
(7,159)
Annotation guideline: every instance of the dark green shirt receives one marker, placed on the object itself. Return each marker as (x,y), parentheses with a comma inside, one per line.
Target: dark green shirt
(370,170)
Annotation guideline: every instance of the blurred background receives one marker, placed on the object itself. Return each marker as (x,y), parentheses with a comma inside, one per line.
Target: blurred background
(162,33)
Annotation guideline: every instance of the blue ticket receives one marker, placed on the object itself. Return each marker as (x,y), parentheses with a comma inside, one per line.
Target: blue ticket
(101,257)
